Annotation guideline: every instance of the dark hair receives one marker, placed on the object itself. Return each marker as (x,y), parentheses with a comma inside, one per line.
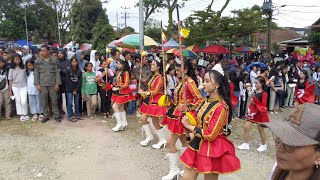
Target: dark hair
(86,65)
(305,72)
(274,72)
(125,53)
(101,62)
(45,46)
(263,69)
(114,52)
(224,92)
(190,72)
(31,61)
(74,58)
(261,80)
(14,64)
(125,67)
(160,66)
(171,67)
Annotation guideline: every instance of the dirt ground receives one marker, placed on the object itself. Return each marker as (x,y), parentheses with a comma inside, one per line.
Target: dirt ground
(89,149)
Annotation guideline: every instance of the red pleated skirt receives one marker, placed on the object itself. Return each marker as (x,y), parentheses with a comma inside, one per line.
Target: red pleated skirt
(222,161)
(150,106)
(123,96)
(172,120)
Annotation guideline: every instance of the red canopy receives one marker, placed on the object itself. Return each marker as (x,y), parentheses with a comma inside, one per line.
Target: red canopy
(215,49)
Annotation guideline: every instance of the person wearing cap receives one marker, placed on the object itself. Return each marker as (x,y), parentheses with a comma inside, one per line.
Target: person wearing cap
(25,54)
(47,78)
(210,152)
(8,58)
(297,142)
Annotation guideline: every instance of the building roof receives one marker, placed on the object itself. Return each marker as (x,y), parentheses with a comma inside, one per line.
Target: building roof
(279,35)
(316,24)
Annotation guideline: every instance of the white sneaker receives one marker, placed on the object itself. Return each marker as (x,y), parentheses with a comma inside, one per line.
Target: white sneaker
(22,118)
(262,148)
(27,118)
(244,146)
(35,117)
(40,117)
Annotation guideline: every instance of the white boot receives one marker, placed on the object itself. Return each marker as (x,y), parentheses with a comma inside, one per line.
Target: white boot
(118,118)
(183,149)
(162,140)
(174,170)
(149,136)
(263,147)
(124,123)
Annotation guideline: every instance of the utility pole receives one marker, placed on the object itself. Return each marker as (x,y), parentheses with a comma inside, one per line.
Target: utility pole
(26,24)
(58,23)
(126,15)
(117,21)
(267,9)
(141,27)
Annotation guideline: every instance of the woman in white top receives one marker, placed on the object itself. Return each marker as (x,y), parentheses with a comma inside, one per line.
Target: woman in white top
(316,80)
(171,80)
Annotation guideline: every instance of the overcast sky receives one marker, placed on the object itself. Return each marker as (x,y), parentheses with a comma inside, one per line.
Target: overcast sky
(297,13)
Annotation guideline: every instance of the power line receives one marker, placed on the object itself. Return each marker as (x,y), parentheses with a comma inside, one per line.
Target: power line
(291,21)
(302,19)
(126,15)
(301,11)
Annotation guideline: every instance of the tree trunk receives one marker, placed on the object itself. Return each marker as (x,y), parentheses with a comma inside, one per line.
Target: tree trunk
(170,23)
(223,8)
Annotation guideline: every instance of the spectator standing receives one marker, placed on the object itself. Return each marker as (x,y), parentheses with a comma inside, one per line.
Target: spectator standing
(73,86)
(47,79)
(33,93)
(4,92)
(63,64)
(25,54)
(89,89)
(316,80)
(18,86)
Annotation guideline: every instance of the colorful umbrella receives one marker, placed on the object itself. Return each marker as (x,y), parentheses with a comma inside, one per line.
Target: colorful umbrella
(194,48)
(245,49)
(85,46)
(188,53)
(173,51)
(215,49)
(133,40)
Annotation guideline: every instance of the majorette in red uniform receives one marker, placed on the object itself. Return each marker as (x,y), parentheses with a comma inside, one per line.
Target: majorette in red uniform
(258,111)
(124,94)
(210,151)
(305,92)
(173,116)
(121,94)
(150,108)
(150,103)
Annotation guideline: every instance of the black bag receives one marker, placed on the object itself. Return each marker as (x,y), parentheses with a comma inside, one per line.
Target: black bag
(3,83)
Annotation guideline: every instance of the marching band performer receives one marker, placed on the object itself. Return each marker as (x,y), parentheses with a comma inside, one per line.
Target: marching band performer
(210,152)
(174,114)
(150,107)
(121,94)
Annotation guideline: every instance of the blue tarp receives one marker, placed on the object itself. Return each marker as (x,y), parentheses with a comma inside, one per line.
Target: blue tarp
(172,44)
(23,42)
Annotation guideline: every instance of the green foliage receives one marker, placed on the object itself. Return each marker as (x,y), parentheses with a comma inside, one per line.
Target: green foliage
(84,15)
(36,37)
(102,33)
(314,38)
(275,47)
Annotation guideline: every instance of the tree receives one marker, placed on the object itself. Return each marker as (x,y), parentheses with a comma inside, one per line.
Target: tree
(150,7)
(36,37)
(314,38)
(102,33)
(84,15)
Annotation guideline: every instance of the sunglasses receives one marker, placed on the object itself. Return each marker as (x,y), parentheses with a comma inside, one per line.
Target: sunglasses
(285,147)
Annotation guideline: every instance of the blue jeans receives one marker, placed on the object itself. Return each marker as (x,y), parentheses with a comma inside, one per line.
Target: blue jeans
(131,107)
(70,100)
(234,111)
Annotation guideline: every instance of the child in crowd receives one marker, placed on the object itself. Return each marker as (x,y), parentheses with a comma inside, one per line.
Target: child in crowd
(132,104)
(89,89)
(33,93)
(18,86)
(4,94)
(73,86)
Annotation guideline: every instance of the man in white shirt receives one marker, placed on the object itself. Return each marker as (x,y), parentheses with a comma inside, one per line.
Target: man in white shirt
(253,76)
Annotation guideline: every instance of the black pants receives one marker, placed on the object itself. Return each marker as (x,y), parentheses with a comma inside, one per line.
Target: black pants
(243,105)
(105,97)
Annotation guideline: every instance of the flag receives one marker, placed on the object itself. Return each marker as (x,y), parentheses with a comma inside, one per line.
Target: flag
(164,37)
(307,95)
(184,33)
